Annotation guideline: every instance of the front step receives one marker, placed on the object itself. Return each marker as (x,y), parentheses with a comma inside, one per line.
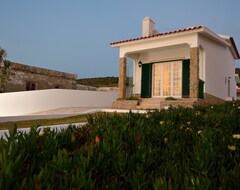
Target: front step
(150,103)
(157,103)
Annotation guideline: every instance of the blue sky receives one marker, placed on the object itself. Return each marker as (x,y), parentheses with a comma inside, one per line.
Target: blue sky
(74,35)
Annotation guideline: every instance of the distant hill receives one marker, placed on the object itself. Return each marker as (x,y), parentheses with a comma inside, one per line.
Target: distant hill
(112,81)
(99,81)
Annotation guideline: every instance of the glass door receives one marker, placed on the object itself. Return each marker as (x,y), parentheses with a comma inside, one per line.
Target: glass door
(167,79)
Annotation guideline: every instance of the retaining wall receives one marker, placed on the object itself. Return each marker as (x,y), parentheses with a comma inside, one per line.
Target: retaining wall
(23,103)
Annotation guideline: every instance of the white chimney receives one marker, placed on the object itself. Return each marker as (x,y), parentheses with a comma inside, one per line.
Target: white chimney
(148,27)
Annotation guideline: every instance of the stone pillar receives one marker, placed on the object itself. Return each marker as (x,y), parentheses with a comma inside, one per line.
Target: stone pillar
(122,78)
(194,72)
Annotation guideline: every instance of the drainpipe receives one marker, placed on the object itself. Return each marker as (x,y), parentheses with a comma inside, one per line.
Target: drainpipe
(229,98)
(229,86)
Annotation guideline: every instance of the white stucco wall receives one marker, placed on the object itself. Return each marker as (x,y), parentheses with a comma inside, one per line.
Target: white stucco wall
(22,103)
(219,65)
(159,54)
(137,78)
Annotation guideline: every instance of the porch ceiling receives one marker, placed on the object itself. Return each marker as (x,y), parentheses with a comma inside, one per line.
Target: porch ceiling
(158,44)
(173,48)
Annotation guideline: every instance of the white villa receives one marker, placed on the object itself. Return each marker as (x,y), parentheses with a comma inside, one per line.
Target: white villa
(192,65)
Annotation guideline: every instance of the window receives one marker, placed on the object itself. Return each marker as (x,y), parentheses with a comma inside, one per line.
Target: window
(30,86)
(58,86)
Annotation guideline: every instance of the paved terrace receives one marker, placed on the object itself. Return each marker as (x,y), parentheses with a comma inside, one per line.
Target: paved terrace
(51,114)
(61,113)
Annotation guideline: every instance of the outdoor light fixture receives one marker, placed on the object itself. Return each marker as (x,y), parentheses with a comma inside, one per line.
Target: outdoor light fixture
(140,63)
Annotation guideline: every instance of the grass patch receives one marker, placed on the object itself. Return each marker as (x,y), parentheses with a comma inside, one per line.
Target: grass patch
(44,122)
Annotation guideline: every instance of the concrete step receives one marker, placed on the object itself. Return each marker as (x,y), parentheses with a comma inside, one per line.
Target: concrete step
(157,103)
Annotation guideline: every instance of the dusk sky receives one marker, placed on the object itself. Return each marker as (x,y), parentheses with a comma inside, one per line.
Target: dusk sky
(74,35)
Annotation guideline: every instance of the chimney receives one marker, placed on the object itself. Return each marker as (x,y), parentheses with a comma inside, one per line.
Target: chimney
(148,27)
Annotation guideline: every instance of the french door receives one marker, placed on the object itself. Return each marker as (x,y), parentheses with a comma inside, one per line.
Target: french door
(167,79)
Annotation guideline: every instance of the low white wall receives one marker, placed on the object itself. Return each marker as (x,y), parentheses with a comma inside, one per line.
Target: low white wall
(23,103)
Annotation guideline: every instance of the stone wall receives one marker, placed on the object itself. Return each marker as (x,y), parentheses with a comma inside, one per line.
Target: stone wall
(23,76)
(122,78)
(194,72)
(125,104)
(210,99)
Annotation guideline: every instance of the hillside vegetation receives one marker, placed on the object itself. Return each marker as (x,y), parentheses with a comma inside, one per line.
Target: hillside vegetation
(110,81)
(99,81)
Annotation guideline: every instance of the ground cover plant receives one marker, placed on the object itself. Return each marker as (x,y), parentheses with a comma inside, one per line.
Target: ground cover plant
(178,148)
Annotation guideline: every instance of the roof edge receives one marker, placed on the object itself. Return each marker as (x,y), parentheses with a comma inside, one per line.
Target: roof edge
(215,37)
(206,30)
(157,35)
(234,47)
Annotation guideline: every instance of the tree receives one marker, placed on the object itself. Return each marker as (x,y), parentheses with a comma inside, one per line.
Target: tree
(5,67)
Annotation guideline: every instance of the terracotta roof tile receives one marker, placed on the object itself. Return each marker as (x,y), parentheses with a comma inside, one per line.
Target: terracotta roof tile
(156,35)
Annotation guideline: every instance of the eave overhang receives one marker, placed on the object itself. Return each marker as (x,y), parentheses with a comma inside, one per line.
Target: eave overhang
(202,30)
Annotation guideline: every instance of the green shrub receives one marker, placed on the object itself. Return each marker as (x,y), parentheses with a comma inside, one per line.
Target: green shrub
(129,98)
(178,148)
(170,98)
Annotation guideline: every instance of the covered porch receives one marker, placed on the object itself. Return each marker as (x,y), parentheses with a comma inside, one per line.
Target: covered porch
(159,66)
(161,77)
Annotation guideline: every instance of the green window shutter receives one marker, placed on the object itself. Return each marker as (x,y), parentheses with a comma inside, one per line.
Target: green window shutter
(201,89)
(146,86)
(185,78)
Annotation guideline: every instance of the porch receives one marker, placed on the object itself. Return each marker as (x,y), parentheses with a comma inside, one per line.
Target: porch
(151,82)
